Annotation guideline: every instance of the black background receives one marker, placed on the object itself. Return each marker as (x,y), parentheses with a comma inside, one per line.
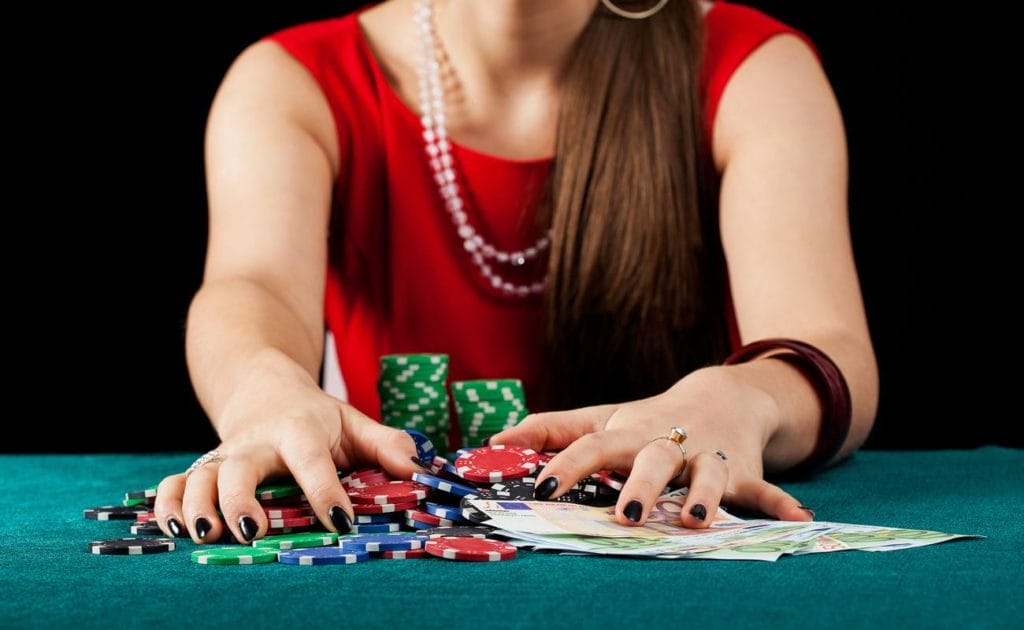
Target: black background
(105,252)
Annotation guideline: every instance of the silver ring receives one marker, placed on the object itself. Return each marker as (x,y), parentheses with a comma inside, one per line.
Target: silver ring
(213,457)
(721,454)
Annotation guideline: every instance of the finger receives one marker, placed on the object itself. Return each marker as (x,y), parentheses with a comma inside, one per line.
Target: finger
(236,488)
(168,506)
(555,430)
(708,478)
(311,464)
(769,499)
(654,467)
(198,504)
(588,454)
(374,442)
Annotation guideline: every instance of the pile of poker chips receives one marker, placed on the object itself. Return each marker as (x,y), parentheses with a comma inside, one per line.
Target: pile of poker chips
(487,407)
(413,395)
(428,516)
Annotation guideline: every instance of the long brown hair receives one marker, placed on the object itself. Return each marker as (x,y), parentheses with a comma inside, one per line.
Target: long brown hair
(635,272)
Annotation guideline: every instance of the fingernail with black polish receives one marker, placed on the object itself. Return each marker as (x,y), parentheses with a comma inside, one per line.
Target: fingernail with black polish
(807,509)
(249,528)
(202,527)
(546,488)
(634,510)
(699,512)
(174,526)
(341,521)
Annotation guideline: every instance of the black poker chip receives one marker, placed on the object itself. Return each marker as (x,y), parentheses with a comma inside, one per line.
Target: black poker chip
(131,546)
(115,512)
(465,531)
(522,490)
(149,528)
(471,513)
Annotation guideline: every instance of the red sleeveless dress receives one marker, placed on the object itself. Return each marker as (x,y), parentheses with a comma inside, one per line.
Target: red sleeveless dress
(398,277)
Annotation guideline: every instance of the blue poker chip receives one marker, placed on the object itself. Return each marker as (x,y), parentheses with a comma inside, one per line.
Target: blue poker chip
(451,487)
(382,542)
(442,511)
(424,447)
(376,528)
(322,555)
(374,519)
(418,525)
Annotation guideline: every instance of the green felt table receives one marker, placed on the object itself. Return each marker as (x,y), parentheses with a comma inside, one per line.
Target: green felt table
(49,579)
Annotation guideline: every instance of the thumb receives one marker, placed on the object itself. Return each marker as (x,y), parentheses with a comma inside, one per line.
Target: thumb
(554,430)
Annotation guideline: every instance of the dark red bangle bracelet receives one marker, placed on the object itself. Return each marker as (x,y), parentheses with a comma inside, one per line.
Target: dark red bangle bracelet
(828,383)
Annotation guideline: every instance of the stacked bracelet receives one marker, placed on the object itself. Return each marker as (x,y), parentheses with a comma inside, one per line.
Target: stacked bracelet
(828,383)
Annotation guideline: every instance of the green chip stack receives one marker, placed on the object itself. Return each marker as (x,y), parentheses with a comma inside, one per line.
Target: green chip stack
(487,407)
(413,395)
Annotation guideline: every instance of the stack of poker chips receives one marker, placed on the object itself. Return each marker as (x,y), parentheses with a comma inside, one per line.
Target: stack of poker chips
(487,407)
(413,395)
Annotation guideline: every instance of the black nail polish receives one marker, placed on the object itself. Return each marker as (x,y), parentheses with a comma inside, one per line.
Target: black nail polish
(634,510)
(486,441)
(341,521)
(699,512)
(807,509)
(174,526)
(249,528)
(546,488)
(203,527)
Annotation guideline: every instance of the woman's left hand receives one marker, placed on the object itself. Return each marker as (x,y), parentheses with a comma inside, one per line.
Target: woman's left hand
(719,413)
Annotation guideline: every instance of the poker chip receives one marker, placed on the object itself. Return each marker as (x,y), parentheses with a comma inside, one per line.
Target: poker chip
(295,521)
(491,464)
(145,517)
(376,528)
(424,447)
(426,517)
(131,546)
(451,487)
(369,519)
(287,512)
(404,554)
(322,556)
(465,531)
(470,549)
(278,491)
(148,493)
(444,511)
(472,513)
(609,478)
(496,389)
(382,542)
(149,528)
(297,541)
(392,492)
(515,489)
(115,513)
(367,480)
(418,525)
(382,508)
(234,555)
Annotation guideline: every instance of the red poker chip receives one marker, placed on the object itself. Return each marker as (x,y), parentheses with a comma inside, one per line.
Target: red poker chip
(288,512)
(470,549)
(145,517)
(609,478)
(294,521)
(391,492)
(382,508)
(364,474)
(425,517)
(359,482)
(545,457)
(490,464)
(404,554)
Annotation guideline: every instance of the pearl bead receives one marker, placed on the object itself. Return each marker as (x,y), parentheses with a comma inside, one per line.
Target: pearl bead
(466,231)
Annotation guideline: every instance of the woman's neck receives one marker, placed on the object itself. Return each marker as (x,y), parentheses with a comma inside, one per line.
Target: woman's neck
(509,44)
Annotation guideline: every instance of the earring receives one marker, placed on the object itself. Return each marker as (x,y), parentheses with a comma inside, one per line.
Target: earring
(634,15)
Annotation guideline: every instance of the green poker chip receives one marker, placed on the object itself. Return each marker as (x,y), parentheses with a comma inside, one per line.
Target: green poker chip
(234,555)
(305,540)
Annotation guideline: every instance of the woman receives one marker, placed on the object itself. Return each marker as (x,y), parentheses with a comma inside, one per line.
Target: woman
(401,157)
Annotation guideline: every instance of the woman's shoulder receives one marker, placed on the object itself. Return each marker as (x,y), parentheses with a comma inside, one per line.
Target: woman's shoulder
(732,33)
(323,45)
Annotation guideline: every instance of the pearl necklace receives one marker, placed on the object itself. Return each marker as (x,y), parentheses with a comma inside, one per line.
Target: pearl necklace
(435,135)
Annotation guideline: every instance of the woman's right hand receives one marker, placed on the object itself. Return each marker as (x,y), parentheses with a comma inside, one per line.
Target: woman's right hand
(279,422)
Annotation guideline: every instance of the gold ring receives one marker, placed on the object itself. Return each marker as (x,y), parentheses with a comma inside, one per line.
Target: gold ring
(677,436)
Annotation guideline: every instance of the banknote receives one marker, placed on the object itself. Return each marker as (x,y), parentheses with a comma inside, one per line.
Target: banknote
(572,528)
